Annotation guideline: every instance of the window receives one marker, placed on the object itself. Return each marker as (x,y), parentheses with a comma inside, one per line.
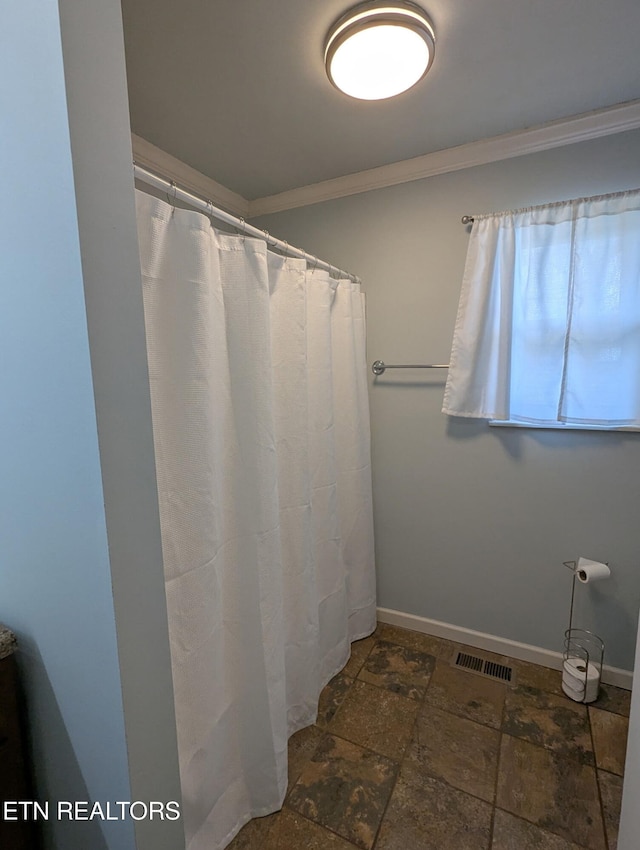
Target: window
(548,326)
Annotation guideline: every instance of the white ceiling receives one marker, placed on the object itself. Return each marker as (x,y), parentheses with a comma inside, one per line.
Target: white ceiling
(237,88)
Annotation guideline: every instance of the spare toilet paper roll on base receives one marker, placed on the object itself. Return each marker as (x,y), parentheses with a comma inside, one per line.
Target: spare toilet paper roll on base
(576,696)
(580,680)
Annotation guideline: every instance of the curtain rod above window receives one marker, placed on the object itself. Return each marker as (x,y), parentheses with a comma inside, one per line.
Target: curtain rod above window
(469,219)
(207,207)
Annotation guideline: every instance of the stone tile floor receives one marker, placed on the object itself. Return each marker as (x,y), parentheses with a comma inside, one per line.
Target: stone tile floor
(410,753)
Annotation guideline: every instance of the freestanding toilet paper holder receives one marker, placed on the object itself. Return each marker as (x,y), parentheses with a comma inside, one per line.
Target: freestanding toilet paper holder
(583,656)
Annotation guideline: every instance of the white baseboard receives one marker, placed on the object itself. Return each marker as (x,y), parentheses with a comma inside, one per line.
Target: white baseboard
(492,643)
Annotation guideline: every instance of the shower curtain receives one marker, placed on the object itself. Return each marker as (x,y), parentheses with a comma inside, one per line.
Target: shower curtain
(261,431)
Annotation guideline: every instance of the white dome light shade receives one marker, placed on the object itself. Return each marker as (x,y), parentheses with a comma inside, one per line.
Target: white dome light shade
(379,61)
(379,50)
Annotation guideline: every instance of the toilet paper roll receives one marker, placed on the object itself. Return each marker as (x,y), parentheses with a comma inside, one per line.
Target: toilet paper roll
(580,671)
(576,696)
(591,691)
(573,685)
(588,571)
(590,695)
(580,681)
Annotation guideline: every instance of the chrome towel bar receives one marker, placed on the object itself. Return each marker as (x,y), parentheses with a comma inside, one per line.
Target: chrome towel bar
(378,367)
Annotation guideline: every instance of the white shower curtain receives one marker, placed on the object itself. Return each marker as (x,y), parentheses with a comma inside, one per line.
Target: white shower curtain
(261,431)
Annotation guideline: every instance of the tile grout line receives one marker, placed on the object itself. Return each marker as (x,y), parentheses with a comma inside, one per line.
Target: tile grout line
(495,790)
(406,749)
(595,769)
(400,762)
(320,826)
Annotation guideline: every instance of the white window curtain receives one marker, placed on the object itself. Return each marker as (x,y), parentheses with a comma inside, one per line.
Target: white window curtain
(548,326)
(261,431)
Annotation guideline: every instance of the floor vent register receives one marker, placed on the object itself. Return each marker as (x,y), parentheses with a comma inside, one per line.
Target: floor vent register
(482,667)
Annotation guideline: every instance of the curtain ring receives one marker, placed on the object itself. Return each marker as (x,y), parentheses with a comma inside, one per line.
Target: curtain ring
(243,229)
(175,191)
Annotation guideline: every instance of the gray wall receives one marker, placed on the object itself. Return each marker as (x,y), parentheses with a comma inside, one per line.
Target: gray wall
(93,49)
(81,578)
(472,523)
(54,576)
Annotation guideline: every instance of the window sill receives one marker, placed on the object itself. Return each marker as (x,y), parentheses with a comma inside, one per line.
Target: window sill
(495,423)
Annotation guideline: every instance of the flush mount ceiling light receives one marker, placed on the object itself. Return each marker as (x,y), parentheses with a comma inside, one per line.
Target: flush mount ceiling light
(378,50)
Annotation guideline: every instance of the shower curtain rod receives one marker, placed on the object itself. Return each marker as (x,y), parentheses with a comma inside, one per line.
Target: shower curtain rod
(176,193)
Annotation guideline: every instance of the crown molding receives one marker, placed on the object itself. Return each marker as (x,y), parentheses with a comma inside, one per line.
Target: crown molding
(567,131)
(165,165)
